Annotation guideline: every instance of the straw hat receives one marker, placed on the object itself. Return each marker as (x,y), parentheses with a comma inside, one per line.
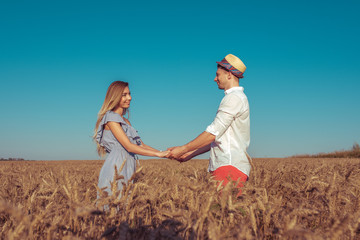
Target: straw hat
(234,65)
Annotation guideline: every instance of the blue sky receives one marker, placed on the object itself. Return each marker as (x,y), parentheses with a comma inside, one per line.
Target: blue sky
(57,59)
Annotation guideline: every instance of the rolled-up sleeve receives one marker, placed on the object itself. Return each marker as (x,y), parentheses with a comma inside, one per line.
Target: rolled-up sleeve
(229,108)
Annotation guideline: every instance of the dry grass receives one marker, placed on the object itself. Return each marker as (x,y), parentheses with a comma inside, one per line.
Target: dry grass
(289,198)
(354,152)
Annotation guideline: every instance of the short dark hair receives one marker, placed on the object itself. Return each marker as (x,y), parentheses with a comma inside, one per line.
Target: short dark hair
(223,68)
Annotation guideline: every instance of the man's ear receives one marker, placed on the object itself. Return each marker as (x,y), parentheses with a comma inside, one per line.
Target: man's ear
(229,75)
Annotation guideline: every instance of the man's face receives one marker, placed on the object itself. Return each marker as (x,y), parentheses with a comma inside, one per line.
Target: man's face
(221,78)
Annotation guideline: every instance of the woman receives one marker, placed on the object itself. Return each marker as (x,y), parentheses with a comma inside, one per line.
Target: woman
(115,135)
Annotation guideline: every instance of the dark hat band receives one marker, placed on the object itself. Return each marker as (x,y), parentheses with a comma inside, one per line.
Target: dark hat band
(224,63)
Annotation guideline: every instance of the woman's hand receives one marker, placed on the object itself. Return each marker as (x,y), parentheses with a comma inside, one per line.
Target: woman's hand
(163,154)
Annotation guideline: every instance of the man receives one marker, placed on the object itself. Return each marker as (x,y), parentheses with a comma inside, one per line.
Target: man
(228,136)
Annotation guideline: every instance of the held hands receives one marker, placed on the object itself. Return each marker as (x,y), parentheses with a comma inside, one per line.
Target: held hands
(163,154)
(178,153)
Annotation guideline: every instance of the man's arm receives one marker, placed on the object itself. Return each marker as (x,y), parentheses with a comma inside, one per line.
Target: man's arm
(228,109)
(202,140)
(189,155)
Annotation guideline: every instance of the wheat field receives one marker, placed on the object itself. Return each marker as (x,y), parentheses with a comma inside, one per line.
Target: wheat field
(289,198)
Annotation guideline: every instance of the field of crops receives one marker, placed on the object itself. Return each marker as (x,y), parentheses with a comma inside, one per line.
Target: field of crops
(291,198)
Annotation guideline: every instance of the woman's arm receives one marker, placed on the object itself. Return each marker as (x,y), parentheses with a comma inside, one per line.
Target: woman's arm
(142,143)
(120,135)
(147,146)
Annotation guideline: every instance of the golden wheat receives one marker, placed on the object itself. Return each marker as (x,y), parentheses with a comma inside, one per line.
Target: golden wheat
(287,198)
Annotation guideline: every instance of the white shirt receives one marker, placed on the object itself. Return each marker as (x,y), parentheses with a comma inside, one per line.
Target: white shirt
(231,128)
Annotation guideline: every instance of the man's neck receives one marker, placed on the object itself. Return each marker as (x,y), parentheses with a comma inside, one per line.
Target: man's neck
(231,86)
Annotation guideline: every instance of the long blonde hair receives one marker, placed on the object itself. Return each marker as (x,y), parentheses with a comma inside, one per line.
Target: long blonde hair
(112,100)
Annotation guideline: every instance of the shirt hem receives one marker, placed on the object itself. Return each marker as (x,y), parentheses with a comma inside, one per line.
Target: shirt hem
(247,174)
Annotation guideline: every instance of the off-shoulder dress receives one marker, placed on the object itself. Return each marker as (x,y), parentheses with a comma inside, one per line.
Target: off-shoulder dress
(116,153)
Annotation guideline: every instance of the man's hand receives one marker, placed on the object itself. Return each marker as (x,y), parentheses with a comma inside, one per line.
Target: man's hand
(169,155)
(177,152)
(199,145)
(185,157)
(170,148)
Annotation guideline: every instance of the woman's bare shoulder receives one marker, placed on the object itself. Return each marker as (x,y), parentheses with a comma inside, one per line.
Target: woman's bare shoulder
(127,121)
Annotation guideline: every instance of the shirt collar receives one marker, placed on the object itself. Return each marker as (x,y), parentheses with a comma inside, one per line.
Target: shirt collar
(233,89)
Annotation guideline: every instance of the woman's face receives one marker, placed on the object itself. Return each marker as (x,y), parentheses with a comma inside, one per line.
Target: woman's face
(125,99)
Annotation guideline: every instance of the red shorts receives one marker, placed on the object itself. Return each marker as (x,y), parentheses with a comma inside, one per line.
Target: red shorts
(230,173)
